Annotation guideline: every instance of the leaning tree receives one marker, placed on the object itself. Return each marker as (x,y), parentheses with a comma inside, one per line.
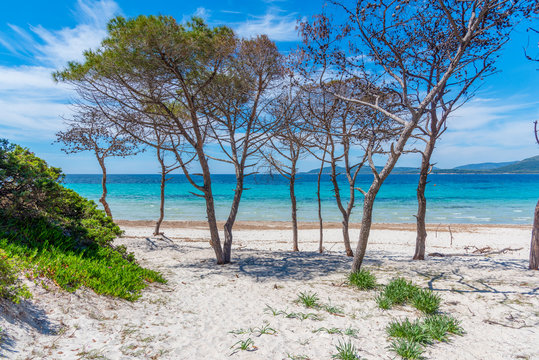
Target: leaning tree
(384,45)
(89,130)
(152,66)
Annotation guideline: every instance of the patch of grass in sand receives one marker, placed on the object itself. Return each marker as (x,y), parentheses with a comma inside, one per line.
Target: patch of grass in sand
(407,349)
(348,331)
(426,301)
(400,292)
(362,279)
(244,345)
(266,329)
(312,301)
(346,351)
(303,316)
(273,311)
(333,310)
(330,331)
(411,337)
(308,299)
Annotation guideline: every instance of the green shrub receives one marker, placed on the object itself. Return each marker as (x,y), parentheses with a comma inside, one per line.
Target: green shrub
(362,279)
(54,232)
(10,286)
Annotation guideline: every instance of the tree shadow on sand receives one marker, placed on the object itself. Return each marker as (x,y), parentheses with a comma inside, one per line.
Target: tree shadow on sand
(276,265)
(27,315)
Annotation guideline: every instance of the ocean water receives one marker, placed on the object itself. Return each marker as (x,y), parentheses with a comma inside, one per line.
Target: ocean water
(477,199)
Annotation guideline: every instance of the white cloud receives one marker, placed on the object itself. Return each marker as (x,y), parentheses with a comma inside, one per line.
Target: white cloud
(488,130)
(277,27)
(57,47)
(32,104)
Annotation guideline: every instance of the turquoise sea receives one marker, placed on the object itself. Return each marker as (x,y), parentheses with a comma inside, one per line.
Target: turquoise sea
(478,199)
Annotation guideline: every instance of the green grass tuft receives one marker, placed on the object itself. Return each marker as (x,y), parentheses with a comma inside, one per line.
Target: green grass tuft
(399,291)
(346,351)
(383,302)
(439,326)
(362,279)
(410,337)
(407,349)
(426,301)
(308,299)
(413,331)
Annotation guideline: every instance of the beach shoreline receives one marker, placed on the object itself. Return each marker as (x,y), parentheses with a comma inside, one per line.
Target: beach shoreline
(308,225)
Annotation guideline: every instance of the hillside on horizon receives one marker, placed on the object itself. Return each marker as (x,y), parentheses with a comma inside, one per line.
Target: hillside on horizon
(526,166)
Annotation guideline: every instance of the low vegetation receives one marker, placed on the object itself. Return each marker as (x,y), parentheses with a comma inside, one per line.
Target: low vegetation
(362,279)
(11,287)
(400,292)
(411,337)
(51,231)
(346,351)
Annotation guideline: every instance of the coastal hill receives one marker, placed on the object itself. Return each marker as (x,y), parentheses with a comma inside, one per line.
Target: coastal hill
(526,166)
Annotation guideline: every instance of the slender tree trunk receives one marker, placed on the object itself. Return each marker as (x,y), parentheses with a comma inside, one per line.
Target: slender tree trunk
(215,240)
(346,236)
(345,215)
(320,245)
(294,213)
(103,198)
(162,203)
(227,247)
(534,248)
(366,222)
(421,228)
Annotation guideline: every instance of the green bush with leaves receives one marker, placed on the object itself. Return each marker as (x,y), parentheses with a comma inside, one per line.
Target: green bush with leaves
(10,285)
(54,232)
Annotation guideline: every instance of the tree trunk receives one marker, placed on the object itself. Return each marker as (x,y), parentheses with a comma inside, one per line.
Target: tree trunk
(162,204)
(346,236)
(227,247)
(345,215)
(294,213)
(320,245)
(215,240)
(366,222)
(534,248)
(103,199)
(421,229)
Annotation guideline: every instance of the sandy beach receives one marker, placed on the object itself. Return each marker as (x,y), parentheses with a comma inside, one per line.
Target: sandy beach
(205,310)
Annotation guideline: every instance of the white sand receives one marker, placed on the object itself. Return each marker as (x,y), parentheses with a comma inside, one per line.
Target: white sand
(192,317)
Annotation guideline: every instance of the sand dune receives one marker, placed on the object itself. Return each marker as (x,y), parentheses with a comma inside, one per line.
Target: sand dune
(205,309)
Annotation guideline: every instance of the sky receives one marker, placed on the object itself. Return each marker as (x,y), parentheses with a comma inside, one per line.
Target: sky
(39,37)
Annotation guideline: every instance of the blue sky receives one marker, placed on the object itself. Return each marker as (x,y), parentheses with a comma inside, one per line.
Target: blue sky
(38,37)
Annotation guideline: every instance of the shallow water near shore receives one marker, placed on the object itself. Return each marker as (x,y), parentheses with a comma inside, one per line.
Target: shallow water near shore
(452,198)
